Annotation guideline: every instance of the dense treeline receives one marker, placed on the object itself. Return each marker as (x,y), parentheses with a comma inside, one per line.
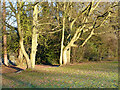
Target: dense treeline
(61,32)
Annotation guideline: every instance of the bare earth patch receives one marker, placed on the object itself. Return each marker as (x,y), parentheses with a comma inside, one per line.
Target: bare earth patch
(6,69)
(12,69)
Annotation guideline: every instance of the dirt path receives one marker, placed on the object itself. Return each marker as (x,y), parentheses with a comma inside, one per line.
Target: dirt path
(7,69)
(10,69)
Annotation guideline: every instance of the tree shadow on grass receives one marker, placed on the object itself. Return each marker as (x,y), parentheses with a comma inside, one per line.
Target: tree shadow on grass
(64,78)
(16,68)
(11,68)
(21,83)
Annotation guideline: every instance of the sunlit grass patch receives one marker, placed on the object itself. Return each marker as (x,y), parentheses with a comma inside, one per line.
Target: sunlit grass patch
(84,75)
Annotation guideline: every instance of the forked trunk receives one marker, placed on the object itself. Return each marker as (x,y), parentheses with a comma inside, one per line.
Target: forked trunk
(21,35)
(24,53)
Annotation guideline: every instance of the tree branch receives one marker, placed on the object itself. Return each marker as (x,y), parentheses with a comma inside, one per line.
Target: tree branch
(51,31)
(92,33)
(12,8)
(10,26)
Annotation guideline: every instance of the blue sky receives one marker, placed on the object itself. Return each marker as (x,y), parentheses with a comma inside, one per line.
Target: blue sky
(14,1)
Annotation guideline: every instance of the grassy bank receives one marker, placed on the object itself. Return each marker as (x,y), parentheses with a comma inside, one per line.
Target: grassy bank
(83,75)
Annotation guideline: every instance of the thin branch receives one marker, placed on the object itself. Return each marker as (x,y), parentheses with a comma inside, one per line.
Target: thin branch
(10,26)
(79,34)
(103,20)
(40,10)
(92,33)
(51,31)
(79,14)
(55,31)
(38,3)
(68,36)
(55,28)
(74,45)
(44,24)
(10,17)
(12,8)
(93,8)
(87,29)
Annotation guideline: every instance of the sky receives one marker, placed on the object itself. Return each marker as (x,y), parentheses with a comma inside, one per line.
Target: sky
(68,0)
(14,1)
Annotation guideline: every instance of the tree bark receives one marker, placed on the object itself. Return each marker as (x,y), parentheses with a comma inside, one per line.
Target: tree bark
(20,56)
(34,37)
(21,36)
(4,35)
(66,55)
(62,41)
(61,54)
(24,53)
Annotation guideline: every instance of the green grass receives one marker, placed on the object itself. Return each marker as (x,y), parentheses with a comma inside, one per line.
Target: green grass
(84,75)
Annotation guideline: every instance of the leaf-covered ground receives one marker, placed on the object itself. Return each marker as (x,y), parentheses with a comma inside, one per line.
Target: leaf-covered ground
(83,75)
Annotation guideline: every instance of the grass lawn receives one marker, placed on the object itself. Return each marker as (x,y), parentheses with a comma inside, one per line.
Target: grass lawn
(83,75)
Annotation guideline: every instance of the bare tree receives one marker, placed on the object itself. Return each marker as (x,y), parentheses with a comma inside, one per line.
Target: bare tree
(4,35)
(88,23)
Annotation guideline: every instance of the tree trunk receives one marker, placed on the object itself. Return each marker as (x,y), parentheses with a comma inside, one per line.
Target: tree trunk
(4,35)
(21,36)
(66,56)
(34,49)
(24,53)
(34,37)
(5,50)
(62,41)
(61,54)
(20,56)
